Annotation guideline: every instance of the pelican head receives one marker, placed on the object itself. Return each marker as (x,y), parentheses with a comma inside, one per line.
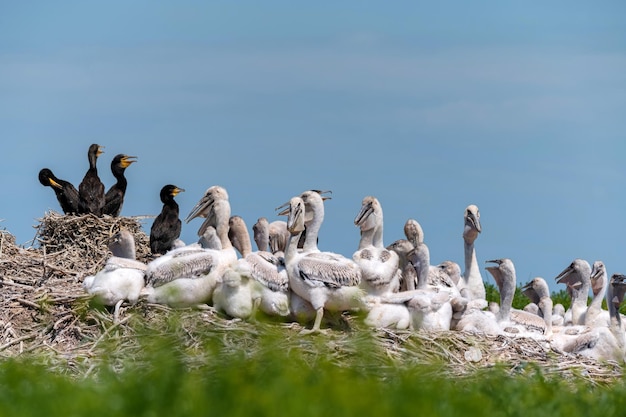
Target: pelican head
(598,277)
(502,271)
(203,207)
(618,285)
(574,274)
(413,231)
(472,223)
(295,221)
(366,218)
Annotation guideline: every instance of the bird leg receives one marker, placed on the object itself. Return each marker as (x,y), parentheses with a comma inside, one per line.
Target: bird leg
(316,325)
(116,312)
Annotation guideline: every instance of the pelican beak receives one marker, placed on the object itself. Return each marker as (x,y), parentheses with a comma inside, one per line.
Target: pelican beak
(366,210)
(564,276)
(495,270)
(474,221)
(324,197)
(205,202)
(286,206)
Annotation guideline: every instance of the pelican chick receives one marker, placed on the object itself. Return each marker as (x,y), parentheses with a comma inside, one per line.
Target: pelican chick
(233,293)
(122,277)
(595,315)
(471,284)
(379,265)
(577,277)
(270,283)
(513,320)
(538,292)
(327,282)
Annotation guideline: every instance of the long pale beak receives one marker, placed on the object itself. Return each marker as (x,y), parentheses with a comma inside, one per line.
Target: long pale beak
(364,213)
(202,205)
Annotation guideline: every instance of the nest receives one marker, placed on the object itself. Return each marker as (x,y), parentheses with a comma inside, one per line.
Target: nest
(45,311)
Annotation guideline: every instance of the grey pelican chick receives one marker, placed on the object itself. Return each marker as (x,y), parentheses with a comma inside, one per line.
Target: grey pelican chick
(577,277)
(270,237)
(513,321)
(122,277)
(471,284)
(327,282)
(595,315)
(270,283)
(233,293)
(601,343)
(379,266)
(538,292)
(408,277)
(382,315)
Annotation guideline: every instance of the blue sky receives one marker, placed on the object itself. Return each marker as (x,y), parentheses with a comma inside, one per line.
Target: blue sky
(515,107)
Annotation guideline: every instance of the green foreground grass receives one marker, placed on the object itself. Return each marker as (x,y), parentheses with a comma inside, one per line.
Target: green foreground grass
(161,377)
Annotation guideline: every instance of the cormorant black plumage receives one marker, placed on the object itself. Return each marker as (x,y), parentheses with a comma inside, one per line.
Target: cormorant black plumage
(65,191)
(114,197)
(91,189)
(167,225)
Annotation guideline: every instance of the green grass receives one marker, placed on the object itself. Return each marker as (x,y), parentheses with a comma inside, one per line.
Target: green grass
(166,377)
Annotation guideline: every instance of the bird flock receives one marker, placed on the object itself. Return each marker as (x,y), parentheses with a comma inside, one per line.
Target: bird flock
(288,276)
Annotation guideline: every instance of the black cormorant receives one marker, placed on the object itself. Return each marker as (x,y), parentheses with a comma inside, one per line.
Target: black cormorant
(91,189)
(167,225)
(114,197)
(66,193)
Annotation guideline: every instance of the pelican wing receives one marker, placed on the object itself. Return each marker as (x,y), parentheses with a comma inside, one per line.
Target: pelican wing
(186,264)
(331,271)
(116,262)
(265,268)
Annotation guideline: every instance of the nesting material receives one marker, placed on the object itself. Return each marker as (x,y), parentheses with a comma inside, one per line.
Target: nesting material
(44,310)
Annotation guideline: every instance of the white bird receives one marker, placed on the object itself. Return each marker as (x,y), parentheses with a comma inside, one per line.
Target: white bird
(187,276)
(512,320)
(577,277)
(270,286)
(122,277)
(596,315)
(271,237)
(233,293)
(414,234)
(471,284)
(380,314)
(408,277)
(326,280)
(538,292)
(379,266)
(600,343)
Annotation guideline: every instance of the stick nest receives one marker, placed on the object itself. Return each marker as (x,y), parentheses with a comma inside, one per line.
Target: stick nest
(45,311)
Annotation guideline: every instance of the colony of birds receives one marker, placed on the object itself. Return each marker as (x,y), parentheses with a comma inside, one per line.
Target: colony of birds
(392,289)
